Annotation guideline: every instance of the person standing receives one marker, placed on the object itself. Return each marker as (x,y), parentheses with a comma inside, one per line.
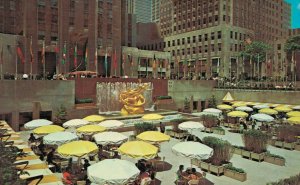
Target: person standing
(162,127)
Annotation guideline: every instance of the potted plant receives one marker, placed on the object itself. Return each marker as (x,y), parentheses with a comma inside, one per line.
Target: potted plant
(237,150)
(209,121)
(142,127)
(294,180)
(235,173)
(256,143)
(222,154)
(186,106)
(212,102)
(286,136)
(219,130)
(60,115)
(274,159)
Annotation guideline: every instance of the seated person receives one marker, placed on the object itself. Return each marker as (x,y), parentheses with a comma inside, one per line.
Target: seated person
(179,173)
(50,157)
(67,177)
(116,155)
(42,147)
(31,138)
(192,174)
(86,164)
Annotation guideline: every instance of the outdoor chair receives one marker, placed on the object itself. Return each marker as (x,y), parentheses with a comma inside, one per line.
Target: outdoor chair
(9,143)
(64,165)
(193,182)
(5,135)
(30,179)
(22,163)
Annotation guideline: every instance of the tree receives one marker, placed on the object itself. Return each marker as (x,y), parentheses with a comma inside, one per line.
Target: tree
(256,50)
(292,44)
(212,102)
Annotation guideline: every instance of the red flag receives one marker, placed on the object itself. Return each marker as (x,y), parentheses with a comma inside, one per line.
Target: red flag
(20,54)
(115,64)
(56,49)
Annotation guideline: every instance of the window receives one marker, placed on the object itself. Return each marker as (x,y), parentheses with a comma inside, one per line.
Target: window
(278,46)
(231,34)
(169,43)
(205,48)
(212,48)
(194,39)
(212,35)
(173,43)
(200,49)
(235,35)
(205,37)
(188,40)
(178,41)
(219,34)
(220,46)
(183,41)
(199,38)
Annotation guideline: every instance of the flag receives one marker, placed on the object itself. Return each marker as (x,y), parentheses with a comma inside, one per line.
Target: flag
(96,57)
(20,54)
(269,67)
(154,63)
(293,63)
(75,56)
(64,58)
(86,56)
(43,53)
(31,52)
(123,63)
(131,60)
(115,62)
(105,62)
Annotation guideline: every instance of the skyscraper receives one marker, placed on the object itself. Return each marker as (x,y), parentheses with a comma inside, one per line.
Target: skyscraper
(142,9)
(155,11)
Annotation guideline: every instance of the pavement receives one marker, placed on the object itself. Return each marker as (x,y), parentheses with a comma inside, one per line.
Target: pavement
(258,173)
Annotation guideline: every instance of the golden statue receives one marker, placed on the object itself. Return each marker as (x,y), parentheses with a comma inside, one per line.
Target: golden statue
(133,101)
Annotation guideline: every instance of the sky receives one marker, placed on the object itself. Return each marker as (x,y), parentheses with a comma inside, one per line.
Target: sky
(295,4)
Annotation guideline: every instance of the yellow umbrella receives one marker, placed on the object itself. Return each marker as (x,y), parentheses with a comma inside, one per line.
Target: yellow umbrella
(224,107)
(239,114)
(283,109)
(294,114)
(152,117)
(90,129)
(77,148)
(268,111)
(253,103)
(48,129)
(94,118)
(227,97)
(153,136)
(138,149)
(294,120)
(239,104)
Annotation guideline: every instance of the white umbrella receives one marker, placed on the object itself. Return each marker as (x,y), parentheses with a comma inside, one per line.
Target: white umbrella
(75,123)
(296,107)
(262,117)
(105,138)
(212,110)
(191,125)
(200,114)
(262,106)
(193,150)
(59,138)
(37,123)
(112,171)
(110,124)
(244,108)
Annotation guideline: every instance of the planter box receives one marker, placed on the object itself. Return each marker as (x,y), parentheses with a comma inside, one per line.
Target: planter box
(290,146)
(220,132)
(278,144)
(235,175)
(297,147)
(204,166)
(246,154)
(226,124)
(237,151)
(218,170)
(271,142)
(257,157)
(195,162)
(274,160)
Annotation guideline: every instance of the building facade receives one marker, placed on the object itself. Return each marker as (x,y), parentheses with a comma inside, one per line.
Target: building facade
(92,27)
(142,10)
(155,9)
(206,36)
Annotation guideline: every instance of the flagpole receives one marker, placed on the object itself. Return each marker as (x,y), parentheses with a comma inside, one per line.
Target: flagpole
(1,69)
(44,60)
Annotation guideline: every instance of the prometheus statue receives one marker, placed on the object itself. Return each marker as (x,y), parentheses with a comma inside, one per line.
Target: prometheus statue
(133,101)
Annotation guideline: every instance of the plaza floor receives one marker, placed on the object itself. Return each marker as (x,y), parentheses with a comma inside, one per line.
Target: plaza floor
(257,173)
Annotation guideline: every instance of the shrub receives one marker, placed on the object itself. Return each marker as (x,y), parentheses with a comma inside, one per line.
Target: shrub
(142,127)
(294,180)
(219,129)
(255,141)
(288,133)
(163,97)
(209,121)
(212,102)
(274,155)
(230,167)
(222,150)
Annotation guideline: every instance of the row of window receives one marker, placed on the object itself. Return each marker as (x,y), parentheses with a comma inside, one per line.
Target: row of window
(199,49)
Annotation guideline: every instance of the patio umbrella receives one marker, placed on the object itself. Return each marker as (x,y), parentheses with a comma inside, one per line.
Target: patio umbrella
(268,111)
(212,110)
(90,129)
(110,124)
(283,109)
(237,114)
(244,108)
(48,129)
(94,118)
(105,138)
(293,114)
(262,117)
(261,106)
(153,136)
(294,120)
(152,117)
(112,171)
(253,103)
(192,150)
(59,138)
(239,104)
(75,123)
(37,123)
(224,107)
(77,149)
(274,105)
(138,149)
(296,107)
(191,125)
(227,97)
